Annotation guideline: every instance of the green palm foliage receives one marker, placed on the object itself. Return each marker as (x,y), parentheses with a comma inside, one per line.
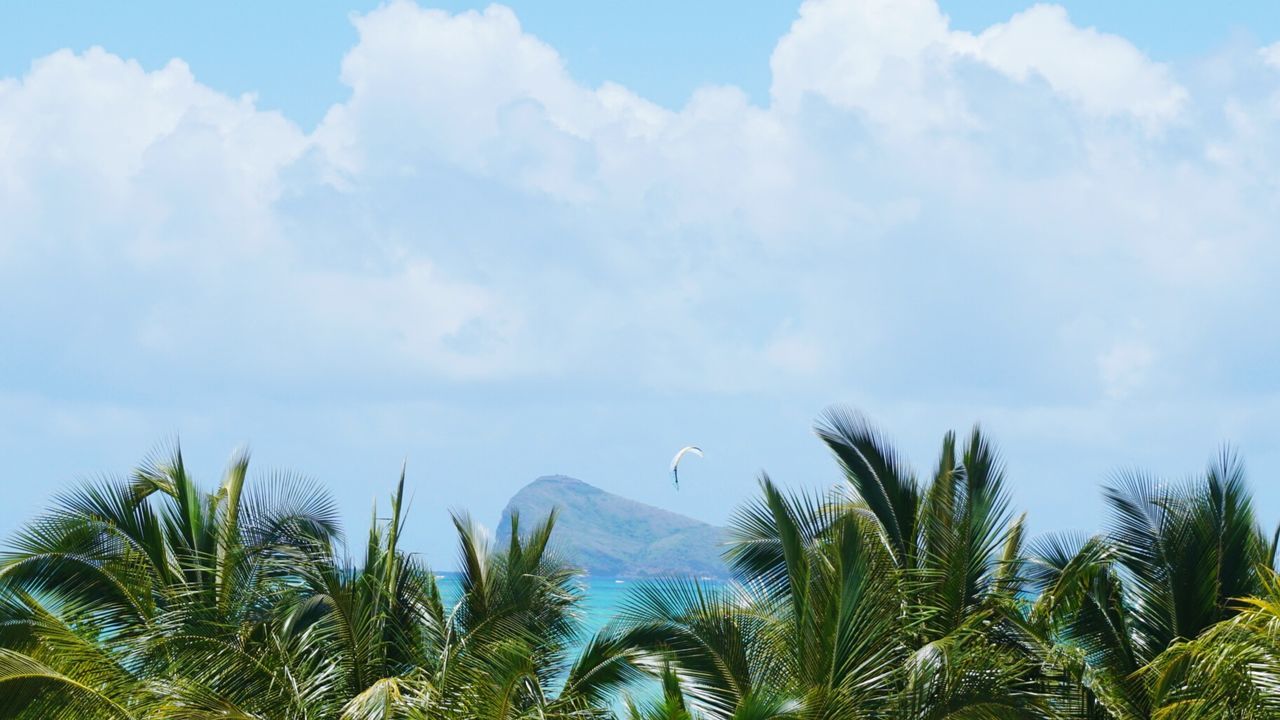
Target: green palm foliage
(1232,670)
(890,596)
(673,705)
(1174,558)
(149,598)
(383,642)
(670,706)
(886,598)
(103,598)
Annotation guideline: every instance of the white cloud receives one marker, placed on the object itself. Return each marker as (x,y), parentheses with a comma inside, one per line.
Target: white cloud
(476,250)
(885,58)
(474,212)
(1271,55)
(94,143)
(471,89)
(897,62)
(159,203)
(1105,74)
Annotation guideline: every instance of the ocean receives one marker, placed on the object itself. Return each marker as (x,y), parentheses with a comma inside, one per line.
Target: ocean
(602,599)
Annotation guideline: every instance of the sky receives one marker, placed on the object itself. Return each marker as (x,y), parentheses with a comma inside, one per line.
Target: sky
(493,242)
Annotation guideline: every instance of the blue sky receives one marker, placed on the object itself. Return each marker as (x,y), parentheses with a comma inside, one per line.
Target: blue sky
(288,52)
(558,237)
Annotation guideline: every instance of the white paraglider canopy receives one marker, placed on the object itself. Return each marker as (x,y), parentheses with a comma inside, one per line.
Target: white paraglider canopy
(675,461)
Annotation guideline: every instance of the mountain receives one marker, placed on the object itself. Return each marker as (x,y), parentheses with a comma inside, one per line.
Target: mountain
(611,536)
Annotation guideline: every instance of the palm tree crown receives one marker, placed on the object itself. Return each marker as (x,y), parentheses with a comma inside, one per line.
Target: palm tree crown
(891,595)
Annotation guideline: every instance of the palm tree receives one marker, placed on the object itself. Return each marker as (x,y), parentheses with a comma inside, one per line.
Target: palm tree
(103,599)
(1232,670)
(885,598)
(379,641)
(148,598)
(672,704)
(1170,565)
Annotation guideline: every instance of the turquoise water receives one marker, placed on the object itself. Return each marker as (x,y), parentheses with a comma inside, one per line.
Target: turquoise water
(602,599)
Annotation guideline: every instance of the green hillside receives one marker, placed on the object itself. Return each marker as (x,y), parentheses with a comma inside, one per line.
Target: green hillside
(612,536)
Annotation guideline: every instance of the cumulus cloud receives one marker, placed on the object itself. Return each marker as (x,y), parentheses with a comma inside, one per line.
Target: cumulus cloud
(884,58)
(1105,74)
(93,142)
(920,218)
(897,62)
(473,211)
(167,204)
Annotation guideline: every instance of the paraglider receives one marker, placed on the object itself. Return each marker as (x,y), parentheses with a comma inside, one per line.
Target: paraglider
(675,462)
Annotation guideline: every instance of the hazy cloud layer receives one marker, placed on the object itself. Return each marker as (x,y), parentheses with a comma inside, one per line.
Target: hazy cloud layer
(1035,224)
